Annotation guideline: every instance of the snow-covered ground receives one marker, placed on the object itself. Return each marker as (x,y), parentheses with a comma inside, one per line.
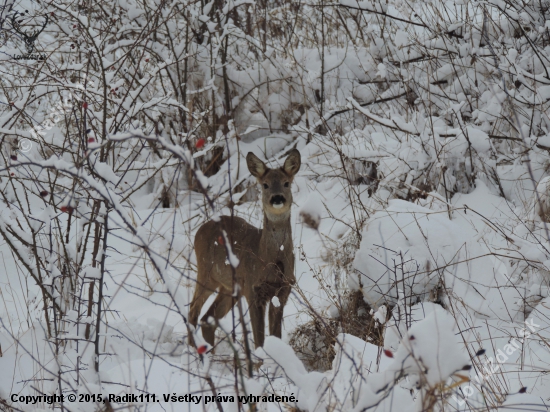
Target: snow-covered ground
(424,136)
(472,253)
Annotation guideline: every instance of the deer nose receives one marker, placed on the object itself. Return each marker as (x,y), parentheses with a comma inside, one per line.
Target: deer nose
(278,201)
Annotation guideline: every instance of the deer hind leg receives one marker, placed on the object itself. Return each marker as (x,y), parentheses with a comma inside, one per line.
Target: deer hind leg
(202,293)
(276,313)
(221,306)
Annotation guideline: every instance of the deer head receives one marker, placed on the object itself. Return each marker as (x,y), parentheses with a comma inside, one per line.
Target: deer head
(28,37)
(275,183)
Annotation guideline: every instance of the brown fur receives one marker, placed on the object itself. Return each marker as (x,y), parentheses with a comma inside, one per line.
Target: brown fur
(264,270)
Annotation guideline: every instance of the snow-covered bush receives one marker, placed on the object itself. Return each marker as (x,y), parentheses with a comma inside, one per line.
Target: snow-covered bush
(422,203)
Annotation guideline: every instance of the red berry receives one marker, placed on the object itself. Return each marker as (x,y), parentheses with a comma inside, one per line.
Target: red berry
(147,60)
(91,140)
(202,349)
(13,174)
(200,143)
(220,240)
(44,193)
(66,209)
(84,105)
(388,353)
(13,157)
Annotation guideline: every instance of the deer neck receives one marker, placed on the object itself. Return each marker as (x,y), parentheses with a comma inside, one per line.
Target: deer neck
(276,233)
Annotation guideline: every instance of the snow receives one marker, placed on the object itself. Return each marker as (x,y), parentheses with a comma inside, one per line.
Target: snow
(401,38)
(92,273)
(311,384)
(312,210)
(399,246)
(424,349)
(381,314)
(423,190)
(106,172)
(524,403)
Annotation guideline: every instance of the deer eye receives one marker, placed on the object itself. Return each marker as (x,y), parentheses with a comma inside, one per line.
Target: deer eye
(286,184)
(266,186)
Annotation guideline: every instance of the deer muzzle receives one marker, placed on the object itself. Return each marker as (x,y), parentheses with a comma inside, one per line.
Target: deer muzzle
(278,201)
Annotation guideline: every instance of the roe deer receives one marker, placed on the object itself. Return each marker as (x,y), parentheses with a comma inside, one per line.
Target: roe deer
(266,257)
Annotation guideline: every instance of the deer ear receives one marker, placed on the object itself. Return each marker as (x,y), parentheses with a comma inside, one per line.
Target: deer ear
(292,163)
(255,165)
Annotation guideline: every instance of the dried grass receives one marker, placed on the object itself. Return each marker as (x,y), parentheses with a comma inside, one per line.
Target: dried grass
(314,341)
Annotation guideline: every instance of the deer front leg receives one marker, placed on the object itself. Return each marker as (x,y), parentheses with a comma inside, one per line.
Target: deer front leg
(257,318)
(276,312)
